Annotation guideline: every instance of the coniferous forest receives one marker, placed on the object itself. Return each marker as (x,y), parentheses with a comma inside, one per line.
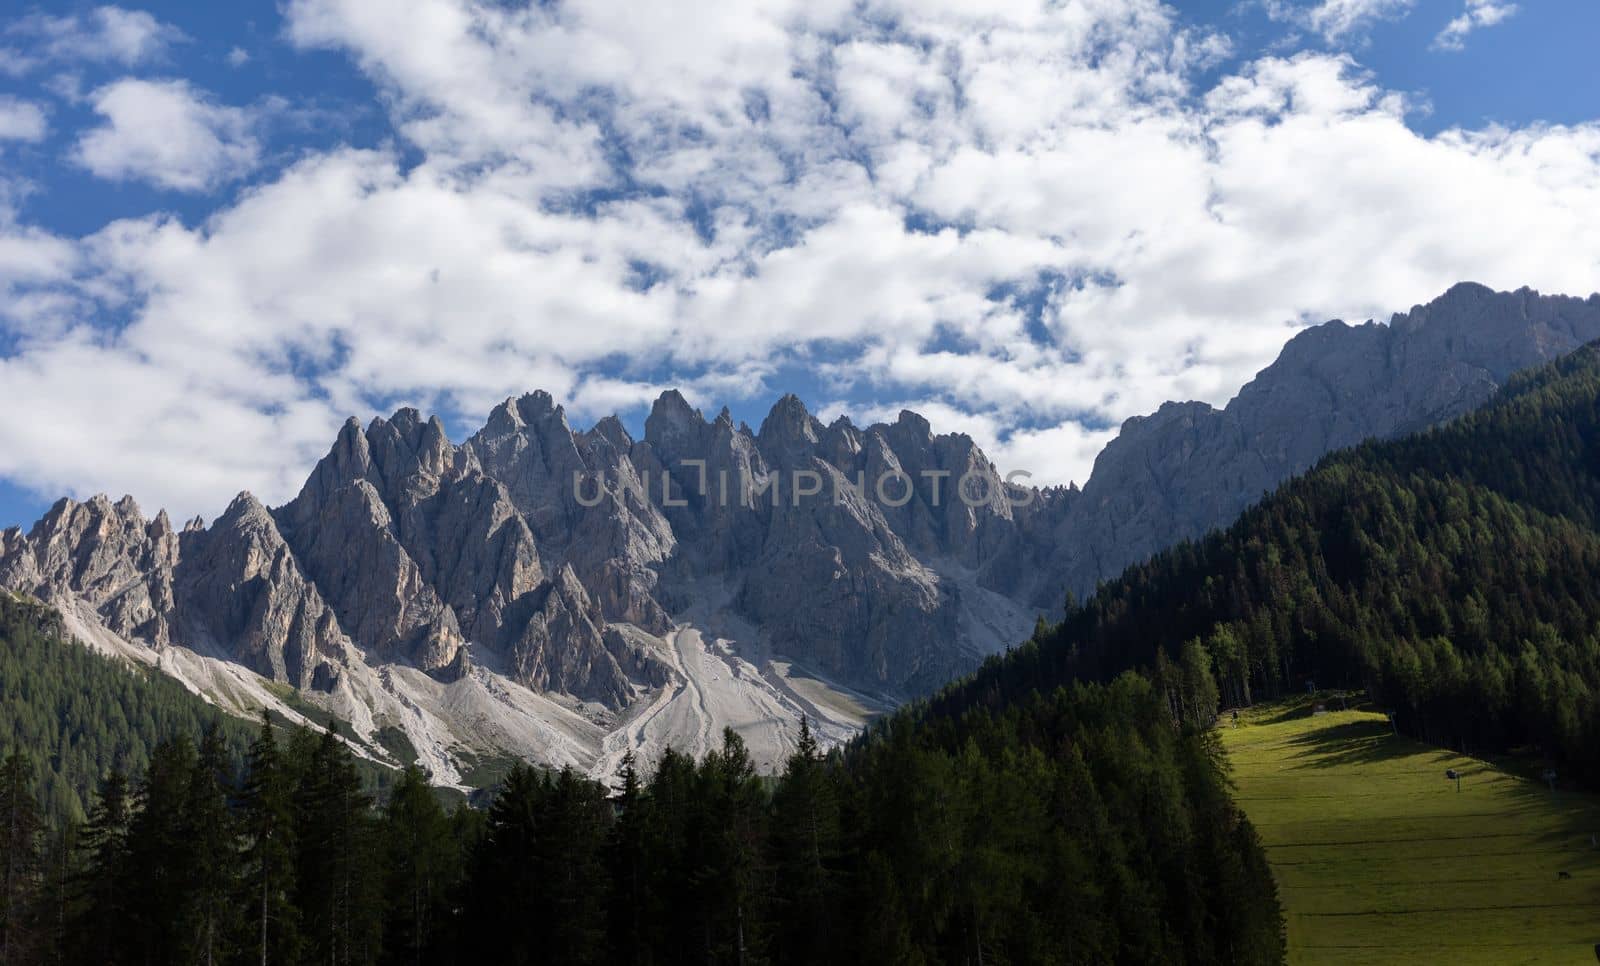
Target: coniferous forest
(1083,826)
(1066,804)
(81,716)
(1450,574)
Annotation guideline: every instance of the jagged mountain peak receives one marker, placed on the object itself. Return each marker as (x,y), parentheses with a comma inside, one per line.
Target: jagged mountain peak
(610,429)
(673,424)
(914,425)
(538,406)
(515,413)
(243,506)
(789,426)
(567,559)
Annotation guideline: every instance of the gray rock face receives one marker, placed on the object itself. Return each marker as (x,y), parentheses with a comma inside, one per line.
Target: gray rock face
(104,553)
(887,557)
(1189,468)
(240,590)
(236,587)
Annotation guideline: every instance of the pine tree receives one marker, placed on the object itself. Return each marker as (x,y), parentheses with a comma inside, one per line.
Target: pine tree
(627,865)
(212,921)
(19,859)
(732,836)
(1200,694)
(806,841)
(100,915)
(267,820)
(336,888)
(506,922)
(162,857)
(421,868)
(569,847)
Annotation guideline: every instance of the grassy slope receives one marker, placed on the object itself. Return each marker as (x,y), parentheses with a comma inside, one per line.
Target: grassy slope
(1380,860)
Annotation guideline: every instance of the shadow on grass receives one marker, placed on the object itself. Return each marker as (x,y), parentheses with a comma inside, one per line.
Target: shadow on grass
(1352,743)
(1303,705)
(1574,815)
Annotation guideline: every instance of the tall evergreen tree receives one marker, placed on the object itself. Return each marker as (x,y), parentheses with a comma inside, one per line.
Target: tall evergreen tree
(212,924)
(267,882)
(422,869)
(806,841)
(504,918)
(19,859)
(336,888)
(569,845)
(163,860)
(627,865)
(100,913)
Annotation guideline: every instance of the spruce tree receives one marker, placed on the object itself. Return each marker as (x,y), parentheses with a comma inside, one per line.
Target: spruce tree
(806,841)
(163,861)
(421,868)
(19,859)
(266,805)
(212,922)
(336,885)
(101,914)
(627,865)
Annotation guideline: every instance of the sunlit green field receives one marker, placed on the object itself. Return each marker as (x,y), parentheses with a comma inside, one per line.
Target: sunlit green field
(1380,860)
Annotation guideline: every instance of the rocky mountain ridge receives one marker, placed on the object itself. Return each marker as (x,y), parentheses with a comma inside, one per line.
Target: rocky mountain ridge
(412,577)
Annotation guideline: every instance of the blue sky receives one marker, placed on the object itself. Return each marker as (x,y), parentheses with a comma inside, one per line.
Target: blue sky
(225,227)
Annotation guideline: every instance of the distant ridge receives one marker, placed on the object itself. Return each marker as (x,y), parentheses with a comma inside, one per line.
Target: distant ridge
(523,592)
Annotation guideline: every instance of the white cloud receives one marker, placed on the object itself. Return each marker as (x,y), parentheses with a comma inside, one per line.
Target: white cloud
(238,57)
(1338,20)
(168,134)
(1478,13)
(1009,213)
(34,268)
(103,35)
(21,120)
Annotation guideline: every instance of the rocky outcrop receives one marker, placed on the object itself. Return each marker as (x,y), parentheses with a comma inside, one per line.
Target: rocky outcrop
(1189,468)
(562,646)
(104,553)
(888,557)
(240,591)
(420,551)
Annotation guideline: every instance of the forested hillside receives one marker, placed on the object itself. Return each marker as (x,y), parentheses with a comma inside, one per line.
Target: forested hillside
(1080,827)
(79,714)
(1453,573)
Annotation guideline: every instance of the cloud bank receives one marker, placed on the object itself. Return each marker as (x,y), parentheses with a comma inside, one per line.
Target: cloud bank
(1029,220)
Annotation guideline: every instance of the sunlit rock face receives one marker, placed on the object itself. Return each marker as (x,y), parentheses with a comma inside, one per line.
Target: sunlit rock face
(887,558)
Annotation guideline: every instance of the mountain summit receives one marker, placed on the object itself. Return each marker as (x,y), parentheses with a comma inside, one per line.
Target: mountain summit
(570,595)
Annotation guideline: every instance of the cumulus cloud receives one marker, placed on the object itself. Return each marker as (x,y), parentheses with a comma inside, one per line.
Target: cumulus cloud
(21,120)
(36,268)
(107,34)
(1478,13)
(168,134)
(1030,220)
(1338,20)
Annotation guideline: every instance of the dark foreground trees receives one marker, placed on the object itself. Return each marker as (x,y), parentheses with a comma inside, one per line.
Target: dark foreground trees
(1079,827)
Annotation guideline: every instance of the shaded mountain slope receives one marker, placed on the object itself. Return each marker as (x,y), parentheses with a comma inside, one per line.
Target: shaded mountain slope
(1451,572)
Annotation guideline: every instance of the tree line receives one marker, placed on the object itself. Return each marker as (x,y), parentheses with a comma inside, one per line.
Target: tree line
(81,715)
(1451,574)
(1079,826)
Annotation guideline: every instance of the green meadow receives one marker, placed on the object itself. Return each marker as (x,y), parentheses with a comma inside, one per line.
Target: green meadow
(1379,859)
